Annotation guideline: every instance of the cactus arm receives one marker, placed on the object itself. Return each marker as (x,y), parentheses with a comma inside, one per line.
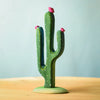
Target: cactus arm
(60,44)
(40,48)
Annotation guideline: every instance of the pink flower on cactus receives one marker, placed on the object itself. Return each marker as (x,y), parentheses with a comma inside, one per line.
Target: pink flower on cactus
(62,29)
(36,27)
(51,9)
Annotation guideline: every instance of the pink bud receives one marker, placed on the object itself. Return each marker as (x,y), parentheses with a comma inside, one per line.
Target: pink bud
(36,27)
(62,29)
(51,9)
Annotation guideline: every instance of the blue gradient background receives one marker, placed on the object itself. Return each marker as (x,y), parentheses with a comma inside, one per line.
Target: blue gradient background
(80,18)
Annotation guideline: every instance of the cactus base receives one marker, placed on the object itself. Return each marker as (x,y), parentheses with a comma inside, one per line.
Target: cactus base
(56,90)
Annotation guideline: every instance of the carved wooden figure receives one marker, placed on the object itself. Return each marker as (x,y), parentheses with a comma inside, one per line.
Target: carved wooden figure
(48,70)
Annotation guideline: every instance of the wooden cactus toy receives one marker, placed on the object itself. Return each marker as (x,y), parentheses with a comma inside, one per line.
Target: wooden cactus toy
(48,70)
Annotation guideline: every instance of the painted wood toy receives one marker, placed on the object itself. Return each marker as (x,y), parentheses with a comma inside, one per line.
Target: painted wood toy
(48,70)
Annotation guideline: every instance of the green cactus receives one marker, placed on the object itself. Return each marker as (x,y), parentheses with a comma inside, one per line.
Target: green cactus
(48,70)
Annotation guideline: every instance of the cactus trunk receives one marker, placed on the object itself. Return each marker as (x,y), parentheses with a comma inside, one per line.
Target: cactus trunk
(48,70)
(50,77)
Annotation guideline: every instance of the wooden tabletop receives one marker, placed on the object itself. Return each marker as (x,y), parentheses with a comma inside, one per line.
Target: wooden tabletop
(22,89)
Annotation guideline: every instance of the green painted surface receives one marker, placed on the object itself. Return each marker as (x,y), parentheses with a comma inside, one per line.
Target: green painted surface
(55,90)
(48,70)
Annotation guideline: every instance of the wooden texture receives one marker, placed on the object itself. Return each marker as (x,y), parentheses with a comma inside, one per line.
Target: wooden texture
(21,89)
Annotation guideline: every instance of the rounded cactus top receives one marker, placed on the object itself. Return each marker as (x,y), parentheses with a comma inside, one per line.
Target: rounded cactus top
(51,9)
(62,29)
(36,27)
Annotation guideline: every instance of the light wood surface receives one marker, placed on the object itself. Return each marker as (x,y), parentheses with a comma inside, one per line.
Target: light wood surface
(21,89)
